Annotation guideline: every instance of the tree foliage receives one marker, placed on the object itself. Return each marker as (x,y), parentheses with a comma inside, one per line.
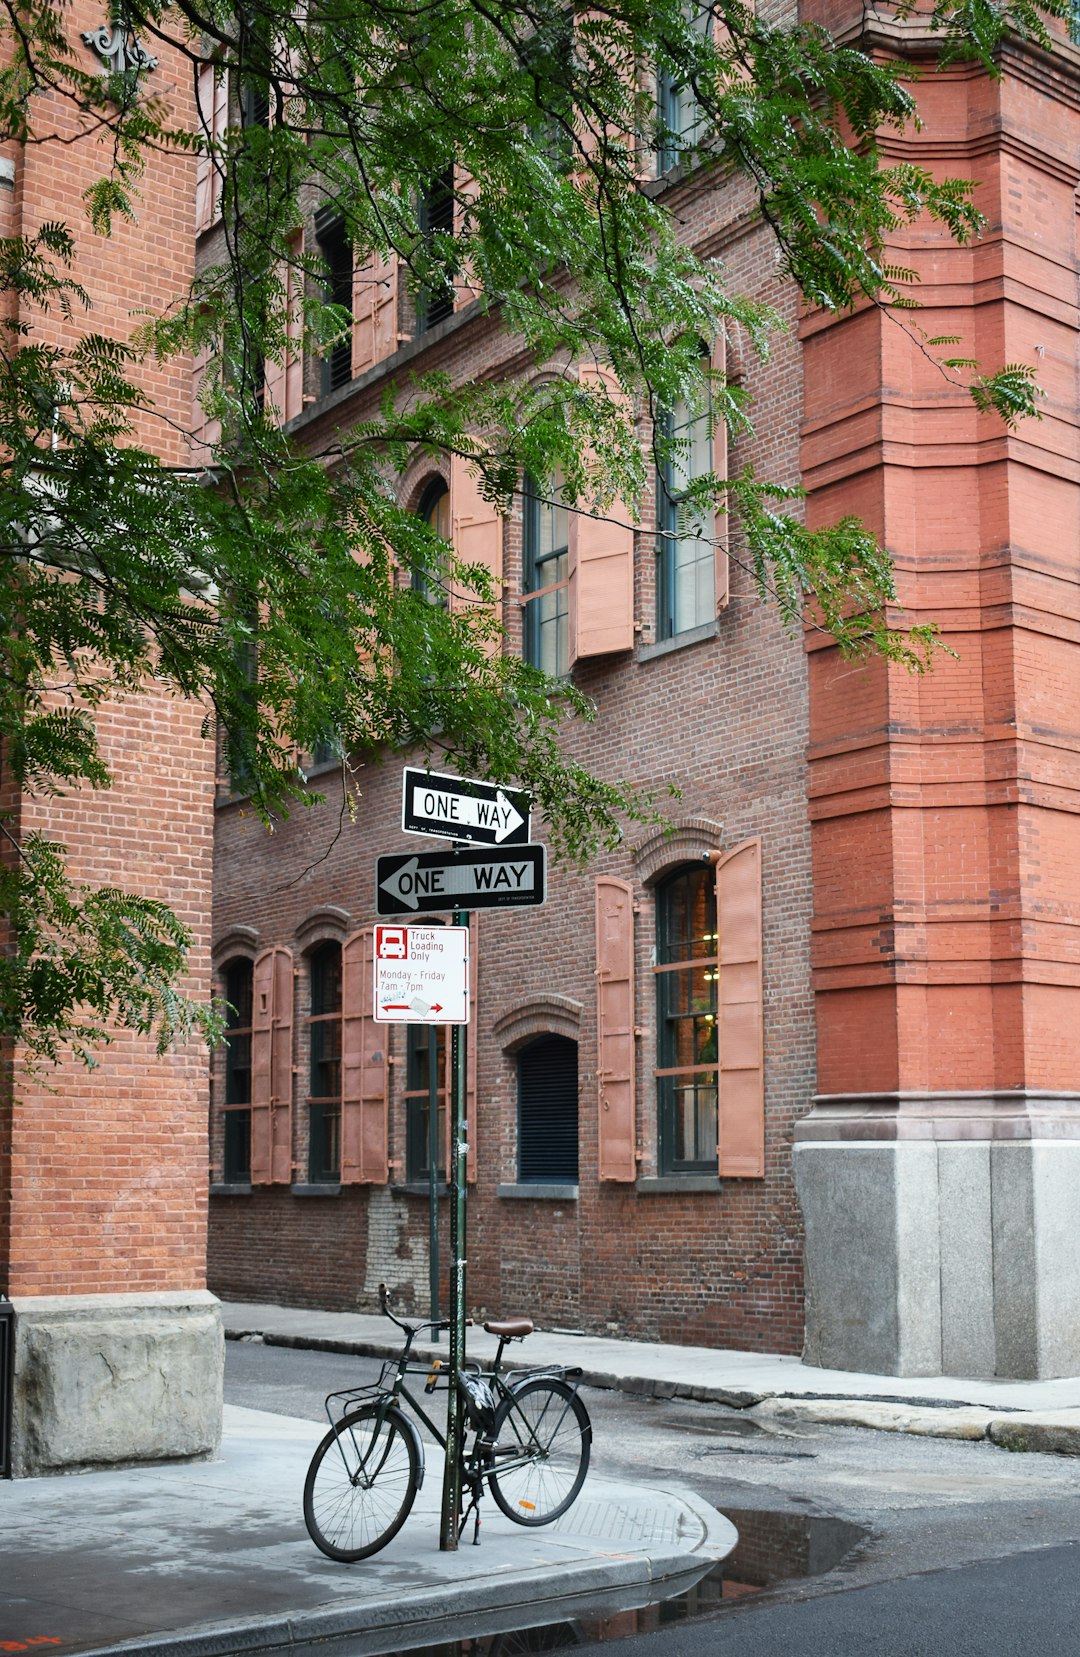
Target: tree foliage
(118,571)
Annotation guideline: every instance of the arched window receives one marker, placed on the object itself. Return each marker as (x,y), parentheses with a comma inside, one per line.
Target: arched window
(429,580)
(546,577)
(686,1040)
(324,1065)
(685,542)
(547,1076)
(236,1116)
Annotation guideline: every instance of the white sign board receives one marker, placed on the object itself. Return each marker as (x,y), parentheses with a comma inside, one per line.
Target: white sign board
(422,974)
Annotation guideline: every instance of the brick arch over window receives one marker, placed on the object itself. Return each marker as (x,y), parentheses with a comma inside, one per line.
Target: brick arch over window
(327,924)
(541,1015)
(689,839)
(238,940)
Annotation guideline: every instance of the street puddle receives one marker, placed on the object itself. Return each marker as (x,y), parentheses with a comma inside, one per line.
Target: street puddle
(773,1547)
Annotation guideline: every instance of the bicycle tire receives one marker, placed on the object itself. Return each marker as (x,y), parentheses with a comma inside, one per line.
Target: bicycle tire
(544,1420)
(361,1483)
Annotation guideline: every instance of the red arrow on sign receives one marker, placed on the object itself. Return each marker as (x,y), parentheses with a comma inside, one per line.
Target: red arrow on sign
(396,1007)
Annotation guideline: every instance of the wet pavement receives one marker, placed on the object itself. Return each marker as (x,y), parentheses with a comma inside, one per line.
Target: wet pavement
(212,1558)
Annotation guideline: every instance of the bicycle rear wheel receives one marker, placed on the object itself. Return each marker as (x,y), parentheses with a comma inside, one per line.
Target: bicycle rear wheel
(362,1483)
(543,1437)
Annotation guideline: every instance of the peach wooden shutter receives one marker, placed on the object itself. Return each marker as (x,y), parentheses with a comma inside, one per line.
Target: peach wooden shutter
(375,298)
(601,565)
(212,91)
(615,1028)
(720,467)
(476,529)
(205,433)
(271,1068)
(740,1013)
(285,379)
(364,1100)
(466,191)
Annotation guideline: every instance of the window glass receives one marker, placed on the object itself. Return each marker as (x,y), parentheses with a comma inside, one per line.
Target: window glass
(686,1006)
(685,552)
(336,254)
(434,509)
(237,1113)
(677,109)
(546,576)
(435,300)
(418,1077)
(324,1048)
(547,1075)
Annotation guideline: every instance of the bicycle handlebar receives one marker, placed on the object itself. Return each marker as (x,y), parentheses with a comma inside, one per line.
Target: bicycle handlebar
(410,1329)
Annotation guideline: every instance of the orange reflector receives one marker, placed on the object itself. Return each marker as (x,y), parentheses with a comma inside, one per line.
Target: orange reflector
(530,1505)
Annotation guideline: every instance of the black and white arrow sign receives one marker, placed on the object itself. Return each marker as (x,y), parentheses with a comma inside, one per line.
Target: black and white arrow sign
(463,808)
(492,879)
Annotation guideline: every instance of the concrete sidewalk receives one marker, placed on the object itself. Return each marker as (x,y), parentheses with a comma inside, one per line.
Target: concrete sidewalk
(1018,1415)
(212,1558)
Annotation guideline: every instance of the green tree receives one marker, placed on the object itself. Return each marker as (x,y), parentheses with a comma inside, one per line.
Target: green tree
(118,571)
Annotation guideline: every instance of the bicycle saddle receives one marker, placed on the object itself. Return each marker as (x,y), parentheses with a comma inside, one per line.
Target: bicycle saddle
(514,1329)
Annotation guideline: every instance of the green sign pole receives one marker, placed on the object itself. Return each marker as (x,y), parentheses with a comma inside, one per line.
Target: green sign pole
(455,1426)
(434,1153)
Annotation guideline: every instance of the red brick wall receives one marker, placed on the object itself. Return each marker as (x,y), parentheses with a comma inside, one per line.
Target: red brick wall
(725,720)
(106,1177)
(944,809)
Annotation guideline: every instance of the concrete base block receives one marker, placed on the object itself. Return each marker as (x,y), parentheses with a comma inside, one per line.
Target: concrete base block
(107,1379)
(927,1257)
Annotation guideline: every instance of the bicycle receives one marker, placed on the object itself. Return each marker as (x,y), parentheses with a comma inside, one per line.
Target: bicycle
(531,1440)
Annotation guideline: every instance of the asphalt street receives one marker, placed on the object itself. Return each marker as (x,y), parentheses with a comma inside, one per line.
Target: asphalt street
(859,1541)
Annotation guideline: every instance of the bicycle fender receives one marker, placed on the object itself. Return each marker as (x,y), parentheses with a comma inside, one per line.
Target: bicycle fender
(414,1433)
(552,1372)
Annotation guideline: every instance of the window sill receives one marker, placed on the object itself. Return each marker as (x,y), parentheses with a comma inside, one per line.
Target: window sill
(419,1188)
(540,1192)
(324,1190)
(231,1188)
(663,1185)
(680,641)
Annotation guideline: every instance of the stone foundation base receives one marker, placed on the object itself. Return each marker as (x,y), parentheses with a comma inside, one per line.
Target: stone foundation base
(936,1257)
(106,1379)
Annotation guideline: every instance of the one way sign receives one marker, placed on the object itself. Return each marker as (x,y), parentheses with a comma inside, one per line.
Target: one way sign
(492,879)
(463,808)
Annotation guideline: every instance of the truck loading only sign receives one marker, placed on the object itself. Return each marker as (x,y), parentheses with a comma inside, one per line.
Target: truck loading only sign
(422,974)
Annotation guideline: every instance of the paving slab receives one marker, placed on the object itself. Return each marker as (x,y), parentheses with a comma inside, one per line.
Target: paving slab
(212,1558)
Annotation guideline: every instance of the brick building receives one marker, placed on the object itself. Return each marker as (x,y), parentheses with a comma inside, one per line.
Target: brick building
(117,1348)
(853,960)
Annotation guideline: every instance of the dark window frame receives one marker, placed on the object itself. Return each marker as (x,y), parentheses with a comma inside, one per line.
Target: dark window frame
(324,1033)
(545,581)
(238,982)
(672,561)
(686,981)
(548,1150)
(427,581)
(336,252)
(435,301)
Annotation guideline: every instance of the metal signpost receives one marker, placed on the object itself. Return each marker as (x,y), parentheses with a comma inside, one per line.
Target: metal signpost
(509,873)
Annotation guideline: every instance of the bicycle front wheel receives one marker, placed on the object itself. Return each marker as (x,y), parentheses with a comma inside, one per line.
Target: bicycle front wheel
(362,1483)
(543,1437)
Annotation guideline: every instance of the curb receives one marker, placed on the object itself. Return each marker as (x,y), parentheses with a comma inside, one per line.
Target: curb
(427,1616)
(1052,1432)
